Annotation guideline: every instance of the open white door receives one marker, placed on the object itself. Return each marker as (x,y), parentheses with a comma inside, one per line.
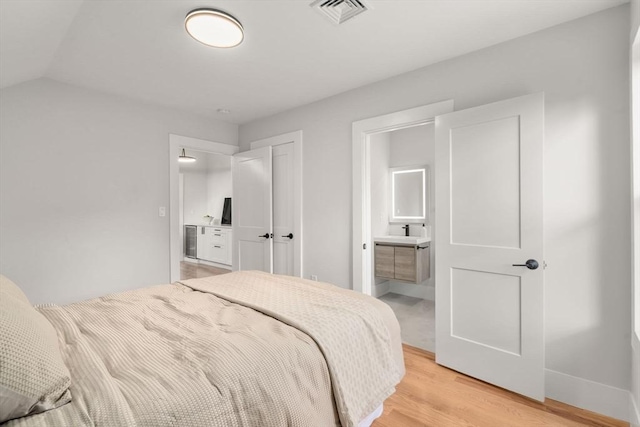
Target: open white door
(252,210)
(489,312)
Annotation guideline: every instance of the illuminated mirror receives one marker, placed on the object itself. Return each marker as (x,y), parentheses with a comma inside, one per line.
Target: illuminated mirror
(409,194)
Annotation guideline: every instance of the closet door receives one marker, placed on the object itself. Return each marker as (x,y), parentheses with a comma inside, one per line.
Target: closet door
(283,227)
(252,211)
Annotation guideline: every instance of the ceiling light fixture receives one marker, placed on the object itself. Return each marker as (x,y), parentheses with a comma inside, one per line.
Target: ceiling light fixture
(214,28)
(183,158)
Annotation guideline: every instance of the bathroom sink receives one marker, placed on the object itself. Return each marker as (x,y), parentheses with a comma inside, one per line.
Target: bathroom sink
(402,240)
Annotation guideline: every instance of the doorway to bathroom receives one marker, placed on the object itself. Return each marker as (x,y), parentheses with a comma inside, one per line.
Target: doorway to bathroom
(402,213)
(393,220)
(488,194)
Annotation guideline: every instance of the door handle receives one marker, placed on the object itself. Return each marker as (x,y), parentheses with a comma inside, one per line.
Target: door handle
(290,235)
(265,235)
(531,264)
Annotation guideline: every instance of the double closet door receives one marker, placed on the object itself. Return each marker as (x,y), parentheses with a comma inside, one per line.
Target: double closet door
(263,223)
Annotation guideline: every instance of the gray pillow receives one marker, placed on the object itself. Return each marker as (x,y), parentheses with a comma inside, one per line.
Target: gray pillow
(33,376)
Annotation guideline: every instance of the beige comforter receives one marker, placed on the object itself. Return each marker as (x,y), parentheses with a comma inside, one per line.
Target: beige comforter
(202,353)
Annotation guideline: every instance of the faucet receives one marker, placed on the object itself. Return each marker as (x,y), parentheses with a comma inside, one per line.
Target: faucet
(406,230)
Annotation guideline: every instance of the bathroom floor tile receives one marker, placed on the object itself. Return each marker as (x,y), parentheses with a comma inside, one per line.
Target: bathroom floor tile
(417,319)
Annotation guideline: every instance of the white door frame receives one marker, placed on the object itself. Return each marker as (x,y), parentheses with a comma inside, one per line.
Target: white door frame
(176,143)
(296,139)
(361,131)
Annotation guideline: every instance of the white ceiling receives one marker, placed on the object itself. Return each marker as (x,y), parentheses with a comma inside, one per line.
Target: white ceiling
(291,55)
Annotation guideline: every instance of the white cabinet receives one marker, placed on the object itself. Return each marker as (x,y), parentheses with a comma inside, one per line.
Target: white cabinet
(214,244)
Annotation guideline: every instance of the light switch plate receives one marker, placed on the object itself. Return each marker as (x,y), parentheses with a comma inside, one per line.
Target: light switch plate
(162,211)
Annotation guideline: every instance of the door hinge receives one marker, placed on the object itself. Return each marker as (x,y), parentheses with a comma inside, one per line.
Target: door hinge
(364,246)
(544,265)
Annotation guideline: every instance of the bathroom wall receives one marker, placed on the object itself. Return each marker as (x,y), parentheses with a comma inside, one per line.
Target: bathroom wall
(405,147)
(415,146)
(380,155)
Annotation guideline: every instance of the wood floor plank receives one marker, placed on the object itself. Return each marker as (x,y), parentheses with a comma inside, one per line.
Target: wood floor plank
(434,396)
(190,270)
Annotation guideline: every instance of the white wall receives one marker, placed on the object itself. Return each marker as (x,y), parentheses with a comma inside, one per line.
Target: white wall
(380,154)
(82,175)
(219,187)
(583,68)
(635,18)
(415,146)
(635,200)
(196,197)
(379,163)
(207,182)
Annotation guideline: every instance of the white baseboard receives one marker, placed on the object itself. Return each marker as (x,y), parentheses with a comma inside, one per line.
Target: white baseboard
(589,395)
(634,401)
(214,264)
(411,290)
(634,412)
(198,261)
(381,289)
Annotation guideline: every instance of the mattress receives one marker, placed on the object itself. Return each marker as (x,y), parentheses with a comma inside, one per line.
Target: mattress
(242,349)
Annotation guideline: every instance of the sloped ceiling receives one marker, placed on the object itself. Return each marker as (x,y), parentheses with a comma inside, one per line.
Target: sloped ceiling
(30,34)
(291,54)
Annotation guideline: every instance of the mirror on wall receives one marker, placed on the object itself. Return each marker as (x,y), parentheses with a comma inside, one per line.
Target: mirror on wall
(409,194)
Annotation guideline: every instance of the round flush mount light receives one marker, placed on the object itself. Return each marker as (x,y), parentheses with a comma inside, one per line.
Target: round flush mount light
(214,28)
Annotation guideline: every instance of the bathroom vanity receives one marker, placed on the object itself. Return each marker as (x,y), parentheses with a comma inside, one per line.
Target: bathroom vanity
(402,258)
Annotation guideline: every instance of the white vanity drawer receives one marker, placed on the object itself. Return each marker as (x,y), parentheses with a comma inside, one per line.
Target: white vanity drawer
(214,244)
(219,238)
(219,253)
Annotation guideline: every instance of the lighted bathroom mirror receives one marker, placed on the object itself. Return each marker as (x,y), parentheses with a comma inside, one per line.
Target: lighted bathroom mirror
(409,194)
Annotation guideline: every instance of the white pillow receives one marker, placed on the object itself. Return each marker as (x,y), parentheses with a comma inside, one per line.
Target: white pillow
(33,376)
(8,287)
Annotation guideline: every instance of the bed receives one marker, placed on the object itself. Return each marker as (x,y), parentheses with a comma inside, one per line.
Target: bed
(241,349)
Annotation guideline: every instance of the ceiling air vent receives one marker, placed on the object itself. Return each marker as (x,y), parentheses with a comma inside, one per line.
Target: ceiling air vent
(339,11)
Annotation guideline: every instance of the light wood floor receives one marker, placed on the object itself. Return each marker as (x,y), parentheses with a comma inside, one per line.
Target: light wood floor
(434,396)
(189,270)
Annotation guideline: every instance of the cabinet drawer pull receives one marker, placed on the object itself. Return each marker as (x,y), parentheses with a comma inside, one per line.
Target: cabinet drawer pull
(217,247)
(217,234)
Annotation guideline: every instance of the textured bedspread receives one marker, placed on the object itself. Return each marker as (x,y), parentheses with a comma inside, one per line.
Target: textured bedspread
(358,335)
(189,355)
